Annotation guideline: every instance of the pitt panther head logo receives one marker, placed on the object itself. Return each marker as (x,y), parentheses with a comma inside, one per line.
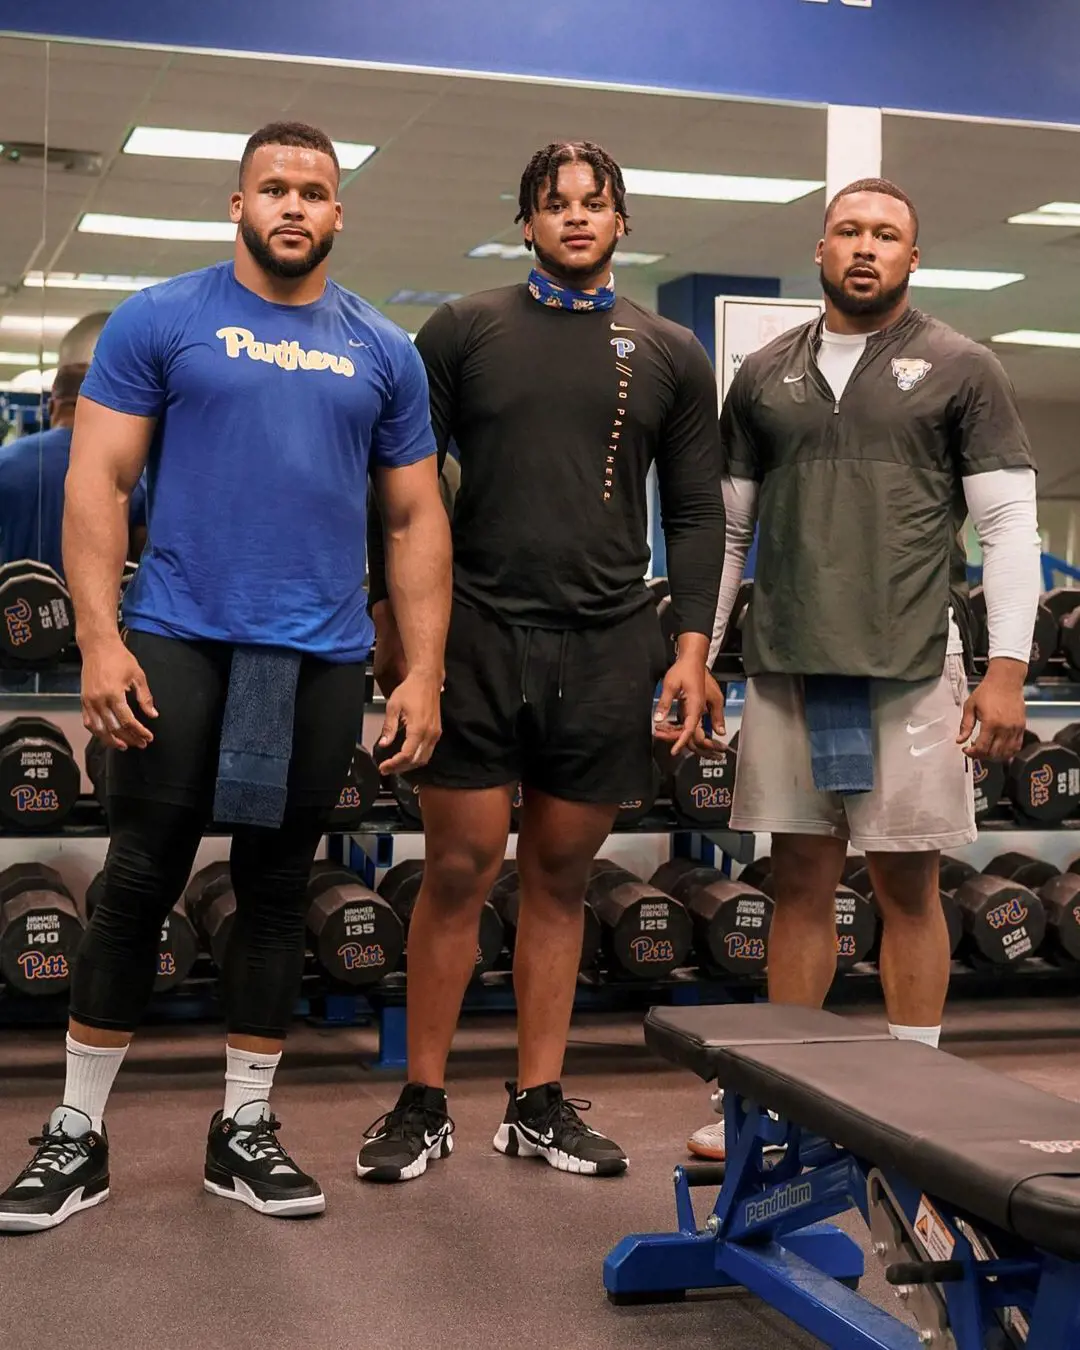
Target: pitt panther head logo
(909,371)
(623,347)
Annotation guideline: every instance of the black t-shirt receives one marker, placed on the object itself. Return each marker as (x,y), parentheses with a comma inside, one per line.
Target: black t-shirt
(557,416)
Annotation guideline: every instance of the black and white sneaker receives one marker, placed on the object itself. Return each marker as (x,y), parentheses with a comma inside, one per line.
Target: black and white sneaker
(69,1172)
(245,1162)
(401,1143)
(542,1123)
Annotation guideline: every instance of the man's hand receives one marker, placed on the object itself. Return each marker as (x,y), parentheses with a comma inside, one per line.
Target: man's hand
(109,671)
(997,705)
(412,709)
(689,685)
(389,657)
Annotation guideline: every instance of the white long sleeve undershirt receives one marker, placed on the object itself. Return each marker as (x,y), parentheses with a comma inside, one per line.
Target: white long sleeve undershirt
(1002,505)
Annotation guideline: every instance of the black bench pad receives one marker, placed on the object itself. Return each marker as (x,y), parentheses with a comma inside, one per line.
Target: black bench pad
(955,1129)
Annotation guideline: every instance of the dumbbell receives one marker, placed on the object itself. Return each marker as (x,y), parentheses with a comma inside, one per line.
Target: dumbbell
(36,615)
(633,810)
(40,930)
(989,778)
(856,923)
(954,872)
(1061,600)
(1043,782)
(1023,869)
(668,627)
(356,936)
(730,919)
(703,789)
(980,635)
(733,634)
(1060,897)
(179,947)
(210,904)
(1003,921)
(506,898)
(400,887)
(754,874)
(39,778)
(1045,640)
(858,878)
(1069,638)
(646,933)
(362,784)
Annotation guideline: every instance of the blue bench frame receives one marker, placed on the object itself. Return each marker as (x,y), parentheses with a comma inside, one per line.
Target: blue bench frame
(767,1233)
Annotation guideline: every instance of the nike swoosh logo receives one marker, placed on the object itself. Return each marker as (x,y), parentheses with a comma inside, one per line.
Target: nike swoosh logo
(617,328)
(913,728)
(794,379)
(535,1137)
(918,750)
(354,343)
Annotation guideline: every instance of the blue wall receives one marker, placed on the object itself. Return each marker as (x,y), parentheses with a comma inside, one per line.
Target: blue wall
(996,58)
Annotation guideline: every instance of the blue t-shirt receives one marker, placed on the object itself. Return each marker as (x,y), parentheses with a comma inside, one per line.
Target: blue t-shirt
(32,473)
(267,418)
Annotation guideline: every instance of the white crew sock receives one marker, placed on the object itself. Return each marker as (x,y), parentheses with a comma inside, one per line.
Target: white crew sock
(90,1073)
(248,1078)
(927,1035)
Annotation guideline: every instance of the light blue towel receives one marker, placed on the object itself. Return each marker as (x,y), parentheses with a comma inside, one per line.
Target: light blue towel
(841,732)
(256,737)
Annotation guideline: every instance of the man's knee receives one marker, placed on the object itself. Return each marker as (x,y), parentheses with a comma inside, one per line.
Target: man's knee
(459,878)
(549,871)
(905,885)
(806,870)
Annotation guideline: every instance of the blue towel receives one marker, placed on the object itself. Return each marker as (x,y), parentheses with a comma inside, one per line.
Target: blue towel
(256,737)
(841,734)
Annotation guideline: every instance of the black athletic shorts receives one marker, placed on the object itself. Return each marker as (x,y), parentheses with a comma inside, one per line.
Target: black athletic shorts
(568,713)
(189,682)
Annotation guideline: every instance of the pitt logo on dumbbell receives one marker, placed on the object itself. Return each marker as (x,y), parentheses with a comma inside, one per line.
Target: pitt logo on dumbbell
(1013,911)
(166,964)
(350,798)
(653,950)
(708,798)
(362,958)
(742,948)
(845,945)
(17,618)
(38,966)
(28,798)
(1042,780)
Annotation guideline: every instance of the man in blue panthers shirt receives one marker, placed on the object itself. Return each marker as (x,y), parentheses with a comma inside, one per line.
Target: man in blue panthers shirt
(32,473)
(257,394)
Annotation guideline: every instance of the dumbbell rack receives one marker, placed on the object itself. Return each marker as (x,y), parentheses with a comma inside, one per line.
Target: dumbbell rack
(371,849)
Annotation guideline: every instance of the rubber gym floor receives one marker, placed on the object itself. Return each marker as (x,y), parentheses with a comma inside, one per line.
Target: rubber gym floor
(482,1252)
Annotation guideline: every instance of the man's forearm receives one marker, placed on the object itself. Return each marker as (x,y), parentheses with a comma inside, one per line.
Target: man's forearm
(418,557)
(95,546)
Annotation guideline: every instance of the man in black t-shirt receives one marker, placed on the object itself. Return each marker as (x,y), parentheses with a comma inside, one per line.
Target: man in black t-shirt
(559,396)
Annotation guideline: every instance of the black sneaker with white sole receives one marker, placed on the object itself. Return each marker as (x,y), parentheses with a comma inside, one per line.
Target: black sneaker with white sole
(402,1143)
(69,1172)
(245,1162)
(542,1123)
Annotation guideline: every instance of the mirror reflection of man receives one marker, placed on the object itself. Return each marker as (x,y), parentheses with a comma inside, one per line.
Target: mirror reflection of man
(32,473)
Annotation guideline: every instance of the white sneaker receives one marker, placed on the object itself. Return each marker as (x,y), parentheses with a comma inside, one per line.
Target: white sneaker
(710,1141)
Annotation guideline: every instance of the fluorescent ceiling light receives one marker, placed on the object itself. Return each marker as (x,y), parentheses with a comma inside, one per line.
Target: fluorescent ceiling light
(423,297)
(88,281)
(513,252)
(1034,337)
(35,325)
(1063,214)
(172,143)
(717,187)
(27,358)
(33,381)
(146,227)
(949,279)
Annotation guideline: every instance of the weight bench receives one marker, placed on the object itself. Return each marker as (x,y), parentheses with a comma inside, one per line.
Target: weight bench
(969,1182)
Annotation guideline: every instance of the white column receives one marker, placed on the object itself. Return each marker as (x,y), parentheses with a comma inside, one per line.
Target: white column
(853,146)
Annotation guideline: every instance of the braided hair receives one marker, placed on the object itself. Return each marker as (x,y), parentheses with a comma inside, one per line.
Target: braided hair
(543,169)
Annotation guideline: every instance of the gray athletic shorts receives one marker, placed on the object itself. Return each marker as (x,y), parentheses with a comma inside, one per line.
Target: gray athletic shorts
(923,796)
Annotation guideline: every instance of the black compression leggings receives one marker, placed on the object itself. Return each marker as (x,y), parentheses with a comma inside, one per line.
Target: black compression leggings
(151,850)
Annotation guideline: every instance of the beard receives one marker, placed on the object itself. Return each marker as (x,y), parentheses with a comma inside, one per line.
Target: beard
(572,276)
(856,306)
(260,250)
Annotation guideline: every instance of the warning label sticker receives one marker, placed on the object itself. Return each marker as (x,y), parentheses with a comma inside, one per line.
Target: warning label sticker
(933,1232)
